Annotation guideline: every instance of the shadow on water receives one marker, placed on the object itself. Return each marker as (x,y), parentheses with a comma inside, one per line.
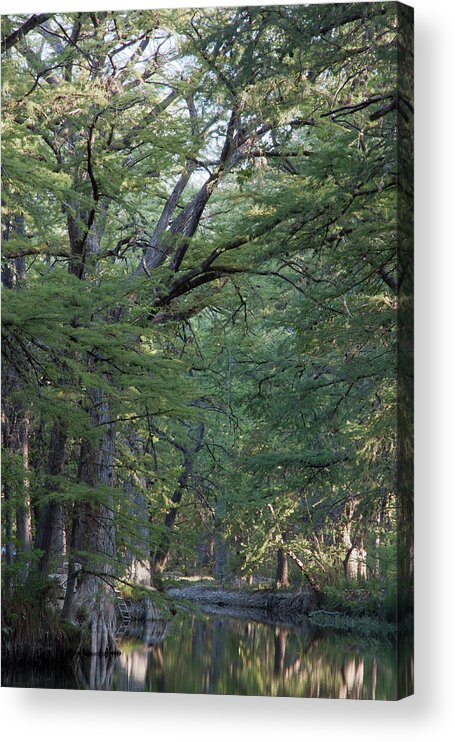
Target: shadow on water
(220,654)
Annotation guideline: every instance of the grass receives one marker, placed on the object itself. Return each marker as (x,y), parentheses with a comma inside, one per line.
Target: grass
(373,600)
(365,625)
(31,625)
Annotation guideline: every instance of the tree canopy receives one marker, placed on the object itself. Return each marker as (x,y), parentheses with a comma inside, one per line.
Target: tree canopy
(202,277)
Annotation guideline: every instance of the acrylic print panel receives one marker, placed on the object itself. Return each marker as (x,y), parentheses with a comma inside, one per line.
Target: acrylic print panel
(207,353)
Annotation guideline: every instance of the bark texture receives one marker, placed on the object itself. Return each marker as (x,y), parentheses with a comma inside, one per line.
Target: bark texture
(282,569)
(94,600)
(49,529)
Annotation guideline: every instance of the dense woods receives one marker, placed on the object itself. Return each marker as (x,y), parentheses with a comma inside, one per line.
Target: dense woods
(204,289)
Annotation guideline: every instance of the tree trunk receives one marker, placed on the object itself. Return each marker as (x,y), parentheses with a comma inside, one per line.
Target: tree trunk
(351,560)
(139,570)
(351,563)
(49,537)
(16,490)
(282,569)
(8,517)
(308,576)
(161,555)
(137,556)
(95,598)
(23,511)
(221,549)
(362,561)
(73,566)
(93,529)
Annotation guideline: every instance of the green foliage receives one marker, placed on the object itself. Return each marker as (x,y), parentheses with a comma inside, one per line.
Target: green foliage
(250,166)
(32,628)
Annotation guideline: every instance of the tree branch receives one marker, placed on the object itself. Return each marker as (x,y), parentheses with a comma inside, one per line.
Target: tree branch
(35,20)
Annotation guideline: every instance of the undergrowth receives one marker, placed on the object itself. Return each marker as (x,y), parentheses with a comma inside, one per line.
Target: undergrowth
(32,627)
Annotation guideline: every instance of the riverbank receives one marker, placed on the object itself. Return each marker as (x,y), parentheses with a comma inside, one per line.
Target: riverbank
(285,607)
(59,642)
(49,638)
(278,605)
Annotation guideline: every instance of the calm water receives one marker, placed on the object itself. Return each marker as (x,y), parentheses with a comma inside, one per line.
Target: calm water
(225,655)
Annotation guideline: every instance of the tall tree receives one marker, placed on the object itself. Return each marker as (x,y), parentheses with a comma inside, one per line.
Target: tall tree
(200,300)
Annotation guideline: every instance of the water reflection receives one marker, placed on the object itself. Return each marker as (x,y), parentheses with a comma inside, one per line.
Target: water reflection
(223,655)
(231,656)
(94,673)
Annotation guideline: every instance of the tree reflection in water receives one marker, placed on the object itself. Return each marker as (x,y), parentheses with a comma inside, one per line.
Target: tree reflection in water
(230,656)
(95,672)
(225,655)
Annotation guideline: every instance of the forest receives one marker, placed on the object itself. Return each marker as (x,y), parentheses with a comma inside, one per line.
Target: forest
(206,334)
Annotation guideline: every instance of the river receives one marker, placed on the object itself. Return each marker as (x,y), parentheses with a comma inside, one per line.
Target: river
(229,655)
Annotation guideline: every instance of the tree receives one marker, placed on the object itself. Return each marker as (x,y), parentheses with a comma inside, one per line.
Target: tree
(201,278)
